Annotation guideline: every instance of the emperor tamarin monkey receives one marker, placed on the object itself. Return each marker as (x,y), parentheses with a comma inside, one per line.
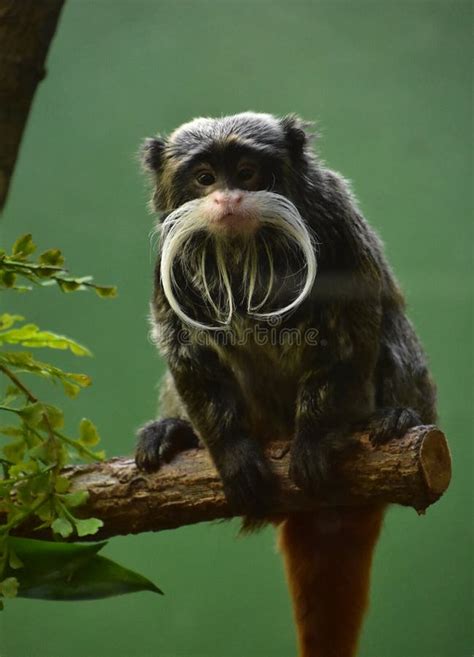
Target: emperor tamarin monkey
(256,233)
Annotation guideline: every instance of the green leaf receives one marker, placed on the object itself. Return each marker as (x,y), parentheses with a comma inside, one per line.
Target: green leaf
(55,417)
(14,560)
(68,286)
(72,500)
(11,393)
(44,452)
(52,257)
(17,358)
(82,379)
(46,272)
(7,320)
(71,284)
(102,578)
(63,527)
(62,484)
(88,434)
(15,451)
(106,291)
(71,389)
(9,587)
(11,431)
(7,278)
(89,526)
(70,571)
(24,246)
(30,335)
(94,578)
(48,555)
(25,361)
(46,562)
(32,414)
(23,467)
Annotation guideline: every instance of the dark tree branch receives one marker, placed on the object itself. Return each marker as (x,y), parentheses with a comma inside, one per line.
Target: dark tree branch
(26,30)
(413,471)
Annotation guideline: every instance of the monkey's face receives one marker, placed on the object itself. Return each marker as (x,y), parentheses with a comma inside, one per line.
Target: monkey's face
(232,240)
(226,183)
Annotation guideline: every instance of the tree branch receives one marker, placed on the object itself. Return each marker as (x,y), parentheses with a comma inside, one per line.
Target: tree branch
(26,30)
(413,471)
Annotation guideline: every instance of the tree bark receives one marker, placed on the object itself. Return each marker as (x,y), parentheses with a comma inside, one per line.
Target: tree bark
(413,471)
(26,30)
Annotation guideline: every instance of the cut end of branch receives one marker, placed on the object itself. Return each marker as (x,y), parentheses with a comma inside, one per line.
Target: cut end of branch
(435,462)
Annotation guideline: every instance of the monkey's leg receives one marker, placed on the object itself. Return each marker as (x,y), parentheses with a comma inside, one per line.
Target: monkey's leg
(328,556)
(406,393)
(160,440)
(214,404)
(330,403)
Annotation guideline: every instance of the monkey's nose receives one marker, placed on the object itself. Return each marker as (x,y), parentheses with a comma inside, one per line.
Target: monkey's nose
(228,198)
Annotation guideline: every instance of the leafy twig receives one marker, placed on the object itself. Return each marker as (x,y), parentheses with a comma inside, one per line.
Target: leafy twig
(37,448)
(29,395)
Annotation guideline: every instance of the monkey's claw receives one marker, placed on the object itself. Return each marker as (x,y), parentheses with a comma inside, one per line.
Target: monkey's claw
(160,440)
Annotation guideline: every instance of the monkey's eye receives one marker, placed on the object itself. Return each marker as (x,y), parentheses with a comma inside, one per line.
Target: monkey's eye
(205,178)
(246,173)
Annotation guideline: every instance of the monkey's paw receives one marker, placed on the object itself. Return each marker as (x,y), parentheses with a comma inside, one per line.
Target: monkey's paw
(160,440)
(313,457)
(388,423)
(249,485)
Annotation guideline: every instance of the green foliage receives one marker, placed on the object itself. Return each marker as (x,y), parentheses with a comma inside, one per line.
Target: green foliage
(62,571)
(35,448)
(48,269)
(30,335)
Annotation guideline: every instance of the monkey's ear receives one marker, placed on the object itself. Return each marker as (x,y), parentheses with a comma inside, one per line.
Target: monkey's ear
(296,132)
(151,153)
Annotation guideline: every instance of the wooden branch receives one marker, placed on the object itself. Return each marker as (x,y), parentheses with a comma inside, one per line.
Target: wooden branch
(413,471)
(26,30)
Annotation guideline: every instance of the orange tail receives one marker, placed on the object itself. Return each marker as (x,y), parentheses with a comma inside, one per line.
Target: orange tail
(328,555)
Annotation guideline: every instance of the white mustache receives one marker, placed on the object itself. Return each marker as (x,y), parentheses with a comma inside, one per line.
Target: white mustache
(273,211)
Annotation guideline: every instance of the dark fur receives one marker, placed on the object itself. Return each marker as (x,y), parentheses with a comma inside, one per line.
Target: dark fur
(368,368)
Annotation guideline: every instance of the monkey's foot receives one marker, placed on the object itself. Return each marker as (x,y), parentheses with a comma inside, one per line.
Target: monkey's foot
(312,458)
(249,485)
(160,440)
(388,423)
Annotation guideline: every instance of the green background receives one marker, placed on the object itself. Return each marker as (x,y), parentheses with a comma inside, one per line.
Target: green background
(389,84)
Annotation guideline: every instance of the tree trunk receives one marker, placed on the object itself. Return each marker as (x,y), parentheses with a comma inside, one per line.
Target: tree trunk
(26,30)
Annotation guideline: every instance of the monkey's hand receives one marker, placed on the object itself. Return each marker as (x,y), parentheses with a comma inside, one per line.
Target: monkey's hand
(248,482)
(388,423)
(160,440)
